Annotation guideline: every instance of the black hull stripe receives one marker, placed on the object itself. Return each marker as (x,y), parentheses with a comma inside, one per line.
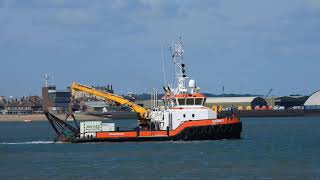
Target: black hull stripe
(224,131)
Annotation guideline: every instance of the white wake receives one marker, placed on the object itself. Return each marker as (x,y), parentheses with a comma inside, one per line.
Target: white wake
(29,142)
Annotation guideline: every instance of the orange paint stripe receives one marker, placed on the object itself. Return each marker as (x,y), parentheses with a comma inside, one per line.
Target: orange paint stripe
(128,134)
(115,134)
(153,133)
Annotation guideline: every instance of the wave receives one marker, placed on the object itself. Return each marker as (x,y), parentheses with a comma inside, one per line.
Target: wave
(29,142)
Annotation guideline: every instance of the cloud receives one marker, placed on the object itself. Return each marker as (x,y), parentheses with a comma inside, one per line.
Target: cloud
(224,32)
(219,21)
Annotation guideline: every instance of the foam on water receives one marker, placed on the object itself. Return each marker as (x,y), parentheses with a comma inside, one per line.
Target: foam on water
(30,142)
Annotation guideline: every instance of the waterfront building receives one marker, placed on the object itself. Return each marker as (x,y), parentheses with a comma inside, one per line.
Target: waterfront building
(55,100)
(26,105)
(224,102)
(93,106)
(236,102)
(313,102)
(3,100)
(290,101)
(2,106)
(83,95)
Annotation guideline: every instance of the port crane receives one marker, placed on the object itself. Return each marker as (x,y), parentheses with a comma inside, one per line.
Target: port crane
(142,112)
(268,94)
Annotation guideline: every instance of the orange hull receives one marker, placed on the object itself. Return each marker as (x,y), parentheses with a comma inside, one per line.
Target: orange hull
(224,128)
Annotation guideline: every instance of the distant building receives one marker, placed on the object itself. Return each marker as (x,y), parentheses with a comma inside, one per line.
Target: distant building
(2,106)
(313,102)
(93,106)
(55,100)
(147,103)
(224,102)
(3,100)
(85,96)
(236,102)
(290,101)
(28,105)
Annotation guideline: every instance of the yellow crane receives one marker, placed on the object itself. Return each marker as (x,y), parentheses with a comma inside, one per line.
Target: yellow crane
(142,112)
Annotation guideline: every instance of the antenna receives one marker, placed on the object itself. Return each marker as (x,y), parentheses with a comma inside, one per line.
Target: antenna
(52,80)
(223,91)
(163,68)
(177,55)
(306,91)
(46,80)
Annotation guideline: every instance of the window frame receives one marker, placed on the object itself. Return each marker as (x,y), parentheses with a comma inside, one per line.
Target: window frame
(183,100)
(192,98)
(201,101)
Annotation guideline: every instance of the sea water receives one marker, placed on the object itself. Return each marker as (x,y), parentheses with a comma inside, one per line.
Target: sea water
(271,148)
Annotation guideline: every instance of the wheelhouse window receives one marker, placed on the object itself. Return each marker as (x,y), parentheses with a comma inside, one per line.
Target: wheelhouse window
(182,102)
(190,101)
(199,101)
(170,102)
(173,102)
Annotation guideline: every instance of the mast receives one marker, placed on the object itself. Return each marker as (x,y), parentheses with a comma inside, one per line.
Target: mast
(177,55)
(46,80)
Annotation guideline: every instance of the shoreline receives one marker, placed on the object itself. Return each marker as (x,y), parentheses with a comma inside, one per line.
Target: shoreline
(42,117)
(130,115)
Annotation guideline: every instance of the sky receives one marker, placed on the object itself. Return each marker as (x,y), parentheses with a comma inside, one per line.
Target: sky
(247,46)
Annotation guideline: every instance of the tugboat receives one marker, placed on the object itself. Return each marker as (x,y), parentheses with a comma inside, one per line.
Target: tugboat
(181,117)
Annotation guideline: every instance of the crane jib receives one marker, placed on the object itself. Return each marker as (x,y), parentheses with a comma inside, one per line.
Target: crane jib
(109,96)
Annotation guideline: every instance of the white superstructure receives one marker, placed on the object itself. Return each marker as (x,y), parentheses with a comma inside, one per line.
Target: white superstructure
(183,103)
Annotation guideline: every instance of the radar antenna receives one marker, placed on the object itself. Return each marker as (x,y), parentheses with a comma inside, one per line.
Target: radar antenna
(177,55)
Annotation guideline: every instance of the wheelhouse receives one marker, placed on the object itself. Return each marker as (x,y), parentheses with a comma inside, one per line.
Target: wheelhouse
(185,100)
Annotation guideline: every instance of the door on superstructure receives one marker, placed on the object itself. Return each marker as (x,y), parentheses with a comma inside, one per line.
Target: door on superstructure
(170,121)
